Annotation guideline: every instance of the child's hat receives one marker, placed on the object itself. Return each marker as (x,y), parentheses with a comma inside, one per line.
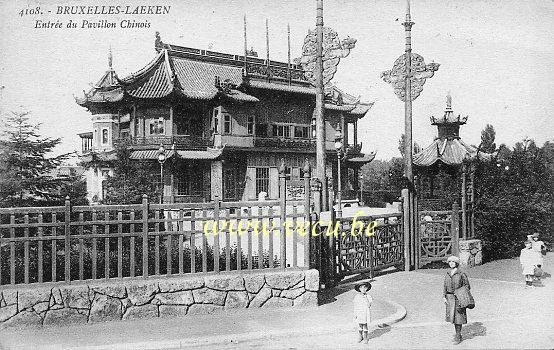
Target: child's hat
(367,284)
(536,234)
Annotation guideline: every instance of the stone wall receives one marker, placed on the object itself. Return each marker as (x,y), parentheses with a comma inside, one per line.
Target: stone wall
(471,252)
(98,301)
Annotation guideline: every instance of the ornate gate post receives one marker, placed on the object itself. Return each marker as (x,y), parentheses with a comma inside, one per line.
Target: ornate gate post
(316,246)
(406,228)
(455,229)
(307,214)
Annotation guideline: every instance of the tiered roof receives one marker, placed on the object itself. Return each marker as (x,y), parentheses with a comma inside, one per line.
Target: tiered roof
(205,75)
(448,147)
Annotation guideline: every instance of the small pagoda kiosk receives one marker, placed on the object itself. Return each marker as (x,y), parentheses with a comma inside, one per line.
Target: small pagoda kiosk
(445,169)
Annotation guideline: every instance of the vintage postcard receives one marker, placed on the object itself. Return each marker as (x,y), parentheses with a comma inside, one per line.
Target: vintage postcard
(322,174)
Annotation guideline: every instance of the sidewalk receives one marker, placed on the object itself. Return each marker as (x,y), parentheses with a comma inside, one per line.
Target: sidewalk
(230,327)
(506,316)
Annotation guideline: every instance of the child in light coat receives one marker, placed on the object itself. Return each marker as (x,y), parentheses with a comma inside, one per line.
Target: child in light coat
(527,259)
(362,313)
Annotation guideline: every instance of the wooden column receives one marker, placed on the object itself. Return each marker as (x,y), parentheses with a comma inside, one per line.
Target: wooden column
(472,197)
(216,179)
(356,132)
(464,202)
(455,229)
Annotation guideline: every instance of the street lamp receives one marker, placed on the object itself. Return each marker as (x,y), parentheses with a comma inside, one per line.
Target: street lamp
(338,147)
(161,159)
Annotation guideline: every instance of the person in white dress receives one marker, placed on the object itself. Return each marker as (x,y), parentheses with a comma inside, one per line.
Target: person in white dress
(527,259)
(362,312)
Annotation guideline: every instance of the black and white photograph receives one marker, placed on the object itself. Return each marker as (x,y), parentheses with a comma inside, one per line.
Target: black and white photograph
(299,174)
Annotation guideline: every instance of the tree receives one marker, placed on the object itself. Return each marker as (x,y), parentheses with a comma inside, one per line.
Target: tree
(401,144)
(130,180)
(25,164)
(514,198)
(487,139)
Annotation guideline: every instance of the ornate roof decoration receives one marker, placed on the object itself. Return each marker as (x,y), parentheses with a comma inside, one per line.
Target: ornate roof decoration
(106,90)
(205,75)
(449,117)
(448,147)
(449,152)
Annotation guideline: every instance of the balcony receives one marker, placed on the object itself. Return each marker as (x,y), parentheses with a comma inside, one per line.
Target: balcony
(182,142)
(295,144)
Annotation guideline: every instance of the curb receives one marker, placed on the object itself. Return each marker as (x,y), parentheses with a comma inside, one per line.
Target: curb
(196,342)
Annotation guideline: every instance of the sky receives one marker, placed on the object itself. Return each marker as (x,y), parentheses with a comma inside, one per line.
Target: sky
(495,58)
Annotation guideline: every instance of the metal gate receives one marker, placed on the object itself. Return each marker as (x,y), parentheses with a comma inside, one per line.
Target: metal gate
(437,235)
(364,244)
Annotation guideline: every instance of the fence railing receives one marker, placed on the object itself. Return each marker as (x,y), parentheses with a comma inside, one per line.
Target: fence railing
(75,243)
(438,234)
(369,244)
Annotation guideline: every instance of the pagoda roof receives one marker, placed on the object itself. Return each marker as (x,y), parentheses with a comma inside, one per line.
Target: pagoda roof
(448,151)
(205,75)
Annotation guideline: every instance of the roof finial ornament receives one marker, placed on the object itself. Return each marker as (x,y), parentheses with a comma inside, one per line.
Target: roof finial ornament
(158,42)
(448,101)
(110,58)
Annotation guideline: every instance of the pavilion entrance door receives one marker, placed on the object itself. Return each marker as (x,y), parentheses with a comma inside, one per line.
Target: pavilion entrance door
(437,235)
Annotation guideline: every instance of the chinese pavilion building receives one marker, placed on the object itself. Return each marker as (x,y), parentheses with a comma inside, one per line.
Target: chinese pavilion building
(226,122)
(445,169)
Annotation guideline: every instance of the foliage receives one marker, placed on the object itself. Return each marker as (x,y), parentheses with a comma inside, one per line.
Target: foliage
(131,179)
(487,139)
(26,167)
(383,181)
(401,144)
(514,198)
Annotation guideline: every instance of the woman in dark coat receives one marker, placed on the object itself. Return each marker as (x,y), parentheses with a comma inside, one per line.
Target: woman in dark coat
(453,280)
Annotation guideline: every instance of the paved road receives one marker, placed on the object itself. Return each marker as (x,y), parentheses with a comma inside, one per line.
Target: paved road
(507,314)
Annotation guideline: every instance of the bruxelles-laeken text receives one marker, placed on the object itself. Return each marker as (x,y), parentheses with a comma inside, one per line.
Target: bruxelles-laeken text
(113,10)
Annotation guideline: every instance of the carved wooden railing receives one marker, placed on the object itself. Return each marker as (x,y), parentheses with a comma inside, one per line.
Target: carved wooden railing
(180,141)
(303,144)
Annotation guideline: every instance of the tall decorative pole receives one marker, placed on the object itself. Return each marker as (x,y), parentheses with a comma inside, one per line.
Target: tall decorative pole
(319,106)
(288,54)
(407,77)
(267,47)
(315,52)
(245,48)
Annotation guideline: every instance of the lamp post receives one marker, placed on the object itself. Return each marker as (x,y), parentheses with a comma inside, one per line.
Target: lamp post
(338,147)
(161,159)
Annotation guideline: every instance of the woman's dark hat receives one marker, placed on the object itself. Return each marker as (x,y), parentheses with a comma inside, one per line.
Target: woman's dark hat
(357,286)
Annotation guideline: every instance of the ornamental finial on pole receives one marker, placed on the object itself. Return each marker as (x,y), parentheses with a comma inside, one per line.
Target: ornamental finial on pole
(333,50)
(420,72)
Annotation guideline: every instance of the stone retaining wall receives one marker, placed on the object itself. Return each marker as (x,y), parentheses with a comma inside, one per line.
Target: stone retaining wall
(98,301)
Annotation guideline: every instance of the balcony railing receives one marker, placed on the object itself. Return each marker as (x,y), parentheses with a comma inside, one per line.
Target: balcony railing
(180,141)
(274,142)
